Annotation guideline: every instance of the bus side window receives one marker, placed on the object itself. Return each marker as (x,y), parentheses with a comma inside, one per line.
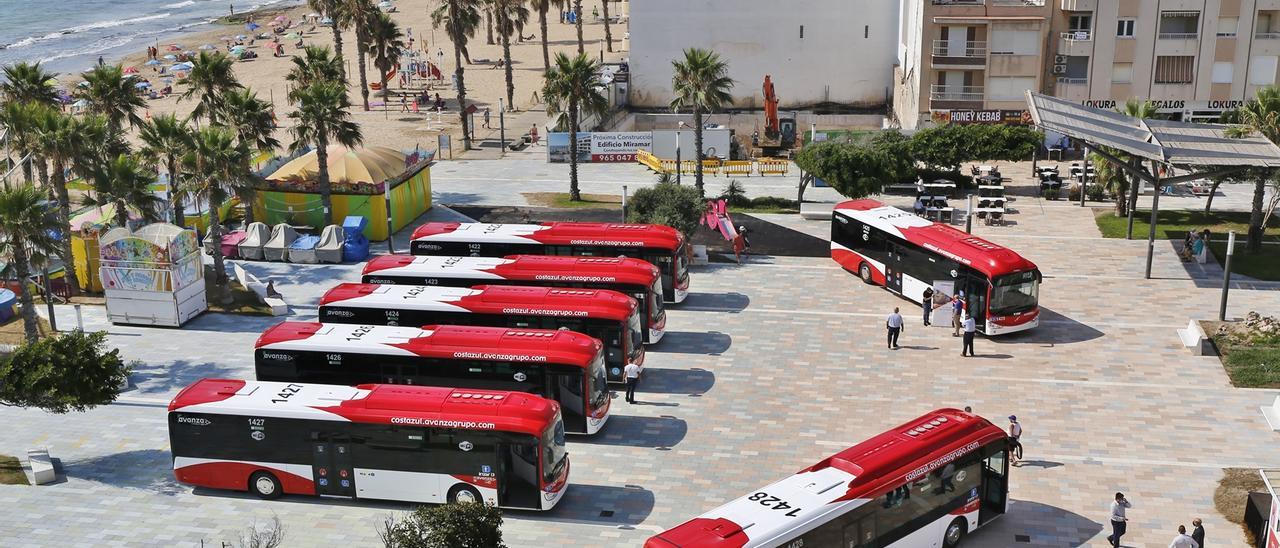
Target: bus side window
(560,250)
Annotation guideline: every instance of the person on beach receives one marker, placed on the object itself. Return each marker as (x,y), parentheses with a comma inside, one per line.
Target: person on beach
(486,118)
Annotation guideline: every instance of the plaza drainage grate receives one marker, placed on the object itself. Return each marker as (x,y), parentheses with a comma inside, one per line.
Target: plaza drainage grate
(1022,538)
(606,513)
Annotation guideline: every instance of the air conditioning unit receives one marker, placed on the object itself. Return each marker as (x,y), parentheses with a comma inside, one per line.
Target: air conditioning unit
(1059,59)
(1059,69)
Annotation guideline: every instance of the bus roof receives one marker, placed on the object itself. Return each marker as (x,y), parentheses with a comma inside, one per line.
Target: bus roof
(984,256)
(485,299)
(464,408)
(848,478)
(435,341)
(622,270)
(555,233)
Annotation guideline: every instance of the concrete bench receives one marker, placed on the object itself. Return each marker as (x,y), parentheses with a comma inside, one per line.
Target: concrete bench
(247,279)
(42,470)
(816,211)
(1194,339)
(1272,414)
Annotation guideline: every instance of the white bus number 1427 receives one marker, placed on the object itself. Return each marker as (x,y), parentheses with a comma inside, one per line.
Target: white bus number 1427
(287,392)
(774,503)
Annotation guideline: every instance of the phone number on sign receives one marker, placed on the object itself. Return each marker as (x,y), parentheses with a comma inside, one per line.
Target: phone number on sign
(613,157)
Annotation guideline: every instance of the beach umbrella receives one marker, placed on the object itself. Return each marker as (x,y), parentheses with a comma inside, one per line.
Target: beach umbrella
(208,47)
(153,62)
(189,53)
(131,70)
(280,18)
(385,4)
(142,85)
(171,57)
(225,38)
(326,21)
(251,26)
(174,47)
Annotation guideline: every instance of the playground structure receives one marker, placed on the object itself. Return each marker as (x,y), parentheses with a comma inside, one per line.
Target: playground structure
(154,276)
(759,166)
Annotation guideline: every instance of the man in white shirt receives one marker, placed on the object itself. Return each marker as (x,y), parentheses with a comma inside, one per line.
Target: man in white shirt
(970,329)
(894,324)
(1183,540)
(1118,521)
(632,374)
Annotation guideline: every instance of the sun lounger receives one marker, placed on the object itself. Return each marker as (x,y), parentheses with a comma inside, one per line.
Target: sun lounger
(282,236)
(303,249)
(329,250)
(231,242)
(256,235)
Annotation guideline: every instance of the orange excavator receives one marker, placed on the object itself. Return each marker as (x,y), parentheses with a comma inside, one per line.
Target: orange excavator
(779,133)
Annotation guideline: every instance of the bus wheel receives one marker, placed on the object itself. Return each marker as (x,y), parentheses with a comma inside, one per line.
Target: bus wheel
(462,494)
(265,485)
(955,533)
(865,272)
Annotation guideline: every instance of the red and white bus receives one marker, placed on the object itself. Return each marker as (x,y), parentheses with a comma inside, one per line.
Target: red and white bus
(926,483)
(562,366)
(906,254)
(610,316)
(661,245)
(389,442)
(633,277)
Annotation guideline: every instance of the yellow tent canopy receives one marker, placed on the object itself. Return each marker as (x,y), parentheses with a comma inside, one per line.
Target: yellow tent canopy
(371,165)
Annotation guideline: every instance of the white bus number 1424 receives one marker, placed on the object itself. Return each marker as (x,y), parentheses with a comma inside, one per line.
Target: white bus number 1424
(774,503)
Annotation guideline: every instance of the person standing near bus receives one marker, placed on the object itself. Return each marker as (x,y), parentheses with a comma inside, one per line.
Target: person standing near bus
(957,306)
(970,329)
(739,246)
(927,303)
(1183,540)
(1198,532)
(632,374)
(1015,439)
(894,324)
(1118,520)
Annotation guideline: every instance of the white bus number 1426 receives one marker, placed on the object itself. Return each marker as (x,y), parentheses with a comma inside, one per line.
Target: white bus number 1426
(774,503)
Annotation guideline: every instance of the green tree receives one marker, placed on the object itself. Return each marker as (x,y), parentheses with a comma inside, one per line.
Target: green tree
(896,148)
(72,371)
(336,11)
(701,83)
(385,43)
(215,167)
(945,147)
(212,76)
(250,119)
(165,139)
(362,15)
(111,94)
(471,524)
(322,119)
(542,7)
(63,141)
(124,182)
(511,16)
(316,64)
(28,83)
(22,120)
(573,88)
(26,229)
(667,203)
(1260,115)
(460,18)
(855,170)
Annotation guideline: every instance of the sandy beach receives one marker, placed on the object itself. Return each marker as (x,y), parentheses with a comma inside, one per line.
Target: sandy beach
(390,125)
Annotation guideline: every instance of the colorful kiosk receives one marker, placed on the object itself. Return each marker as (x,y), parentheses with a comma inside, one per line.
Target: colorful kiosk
(361,181)
(153,276)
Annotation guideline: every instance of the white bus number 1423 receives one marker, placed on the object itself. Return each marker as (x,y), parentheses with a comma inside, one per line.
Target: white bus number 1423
(774,503)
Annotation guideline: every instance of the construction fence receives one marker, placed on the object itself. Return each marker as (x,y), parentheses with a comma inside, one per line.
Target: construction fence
(730,168)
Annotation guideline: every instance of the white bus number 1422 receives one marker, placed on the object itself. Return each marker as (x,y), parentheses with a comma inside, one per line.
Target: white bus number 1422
(774,503)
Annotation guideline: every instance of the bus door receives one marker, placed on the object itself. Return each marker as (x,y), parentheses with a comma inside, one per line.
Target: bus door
(975,294)
(893,268)
(567,390)
(518,474)
(995,486)
(331,468)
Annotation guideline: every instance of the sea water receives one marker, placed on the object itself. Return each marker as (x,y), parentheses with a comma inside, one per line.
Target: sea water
(68,36)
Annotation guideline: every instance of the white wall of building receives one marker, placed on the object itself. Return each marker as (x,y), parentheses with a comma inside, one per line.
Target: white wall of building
(846,55)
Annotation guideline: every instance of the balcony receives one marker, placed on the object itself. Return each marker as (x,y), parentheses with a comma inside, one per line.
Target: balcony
(1072,89)
(959,54)
(1179,35)
(1267,35)
(947,97)
(1079,5)
(957,2)
(1078,42)
(1018,3)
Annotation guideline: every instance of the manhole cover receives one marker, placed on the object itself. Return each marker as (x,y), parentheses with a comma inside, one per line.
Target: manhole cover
(1022,538)
(606,513)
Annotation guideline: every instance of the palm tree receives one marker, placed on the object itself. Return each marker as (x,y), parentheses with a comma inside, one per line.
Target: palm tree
(385,42)
(317,64)
(215,165)
(22,120)
(573,87)
(212,75)
(362,14)
(249,118)
(336,12)
(321,119)
(577,19)
(28,83)
(64,141)
(700,82)
(489,6)
(1136,109)
(542,7)
(511,14)
(111,94)
(1259,115)
(124,182)
(461,18)
(608,34)
(165,139)
(25,235)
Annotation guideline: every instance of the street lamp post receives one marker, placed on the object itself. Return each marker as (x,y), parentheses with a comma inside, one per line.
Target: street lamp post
(502,127)
(679,164)
(1226,274)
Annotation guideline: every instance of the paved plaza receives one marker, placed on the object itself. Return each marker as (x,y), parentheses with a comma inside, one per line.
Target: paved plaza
(766,368)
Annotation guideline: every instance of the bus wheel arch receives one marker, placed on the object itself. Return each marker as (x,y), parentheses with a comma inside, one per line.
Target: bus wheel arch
(463,493)
(864,272)
(266,485)
(955,532)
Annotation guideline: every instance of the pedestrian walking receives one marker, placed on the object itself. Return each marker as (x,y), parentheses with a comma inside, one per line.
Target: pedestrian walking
(927,302)
(970,329)
(894,324)
(632,374)
(957,307)
(486,118)
(1198,532)
(1118,520)
(746,242)
(1183,540)
(533,135)
(739,246)
(1015,440)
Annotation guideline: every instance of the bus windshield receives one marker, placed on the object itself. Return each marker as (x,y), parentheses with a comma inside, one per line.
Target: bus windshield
(637,336)
(655,302)
(597,384)
(1015,293)
(682,264)
(554,456)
